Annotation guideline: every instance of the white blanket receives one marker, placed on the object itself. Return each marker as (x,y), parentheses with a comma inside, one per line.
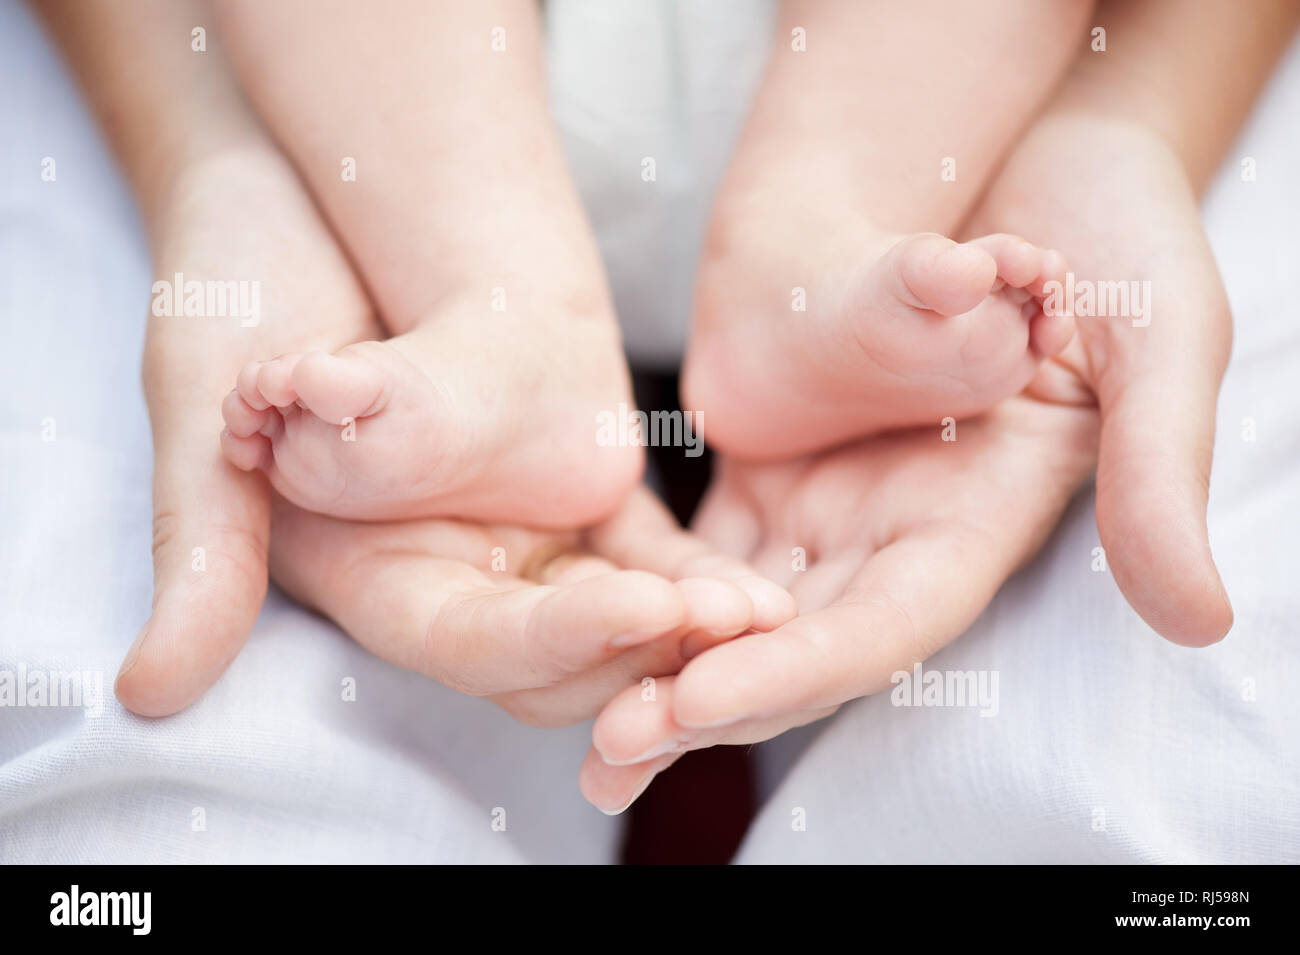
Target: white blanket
(1108,744)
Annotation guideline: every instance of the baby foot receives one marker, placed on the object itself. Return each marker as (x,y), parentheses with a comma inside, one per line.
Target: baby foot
(923,329)
(457,418)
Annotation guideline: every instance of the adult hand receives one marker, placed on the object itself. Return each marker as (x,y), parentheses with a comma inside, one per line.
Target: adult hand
(1117,199)
(239,217)
(550,625)
(905,538)
(922,541)
(422,594)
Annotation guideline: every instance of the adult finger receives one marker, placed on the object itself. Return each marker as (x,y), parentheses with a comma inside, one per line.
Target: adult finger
(635,738)
(210,530)
(1158,391)
(386,586)
(922,589)
(644,535)
(909,600)
(585,694)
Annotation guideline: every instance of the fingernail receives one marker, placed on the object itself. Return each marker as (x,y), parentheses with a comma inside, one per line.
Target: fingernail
(714,724)
(695,644)
(731,632)
(133,654)
(659,749)
(632,638)
(773,604)
(635,796)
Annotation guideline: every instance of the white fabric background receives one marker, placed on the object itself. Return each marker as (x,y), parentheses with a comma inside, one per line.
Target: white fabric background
(1096,712)
(668,80)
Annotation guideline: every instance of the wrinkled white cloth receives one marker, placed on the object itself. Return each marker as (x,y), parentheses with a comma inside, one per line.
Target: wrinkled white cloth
(1108,744)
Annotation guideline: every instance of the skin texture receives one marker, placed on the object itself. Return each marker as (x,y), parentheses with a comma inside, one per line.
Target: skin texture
(309,299)
(907,538)
(1111,173)
(852,145)
(221,202)
(916,329)
(467,230)
(552,636)
(472,415)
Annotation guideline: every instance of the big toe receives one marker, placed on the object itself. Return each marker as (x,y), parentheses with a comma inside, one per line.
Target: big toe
(1019,262)
(343,385)
(940,275)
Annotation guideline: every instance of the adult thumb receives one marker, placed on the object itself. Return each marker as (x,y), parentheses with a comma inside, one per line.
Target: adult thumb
(210,532)
(1153,475)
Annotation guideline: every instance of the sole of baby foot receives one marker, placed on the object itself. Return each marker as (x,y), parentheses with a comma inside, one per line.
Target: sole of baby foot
(405,428)
(923,330)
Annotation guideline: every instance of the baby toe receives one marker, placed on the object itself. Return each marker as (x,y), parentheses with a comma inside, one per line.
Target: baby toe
(1049,334)
(241,418)
(1053,272)
(245,453)
(1019,261)
(941,276)
(346,385)
(275,380)
(246,386)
